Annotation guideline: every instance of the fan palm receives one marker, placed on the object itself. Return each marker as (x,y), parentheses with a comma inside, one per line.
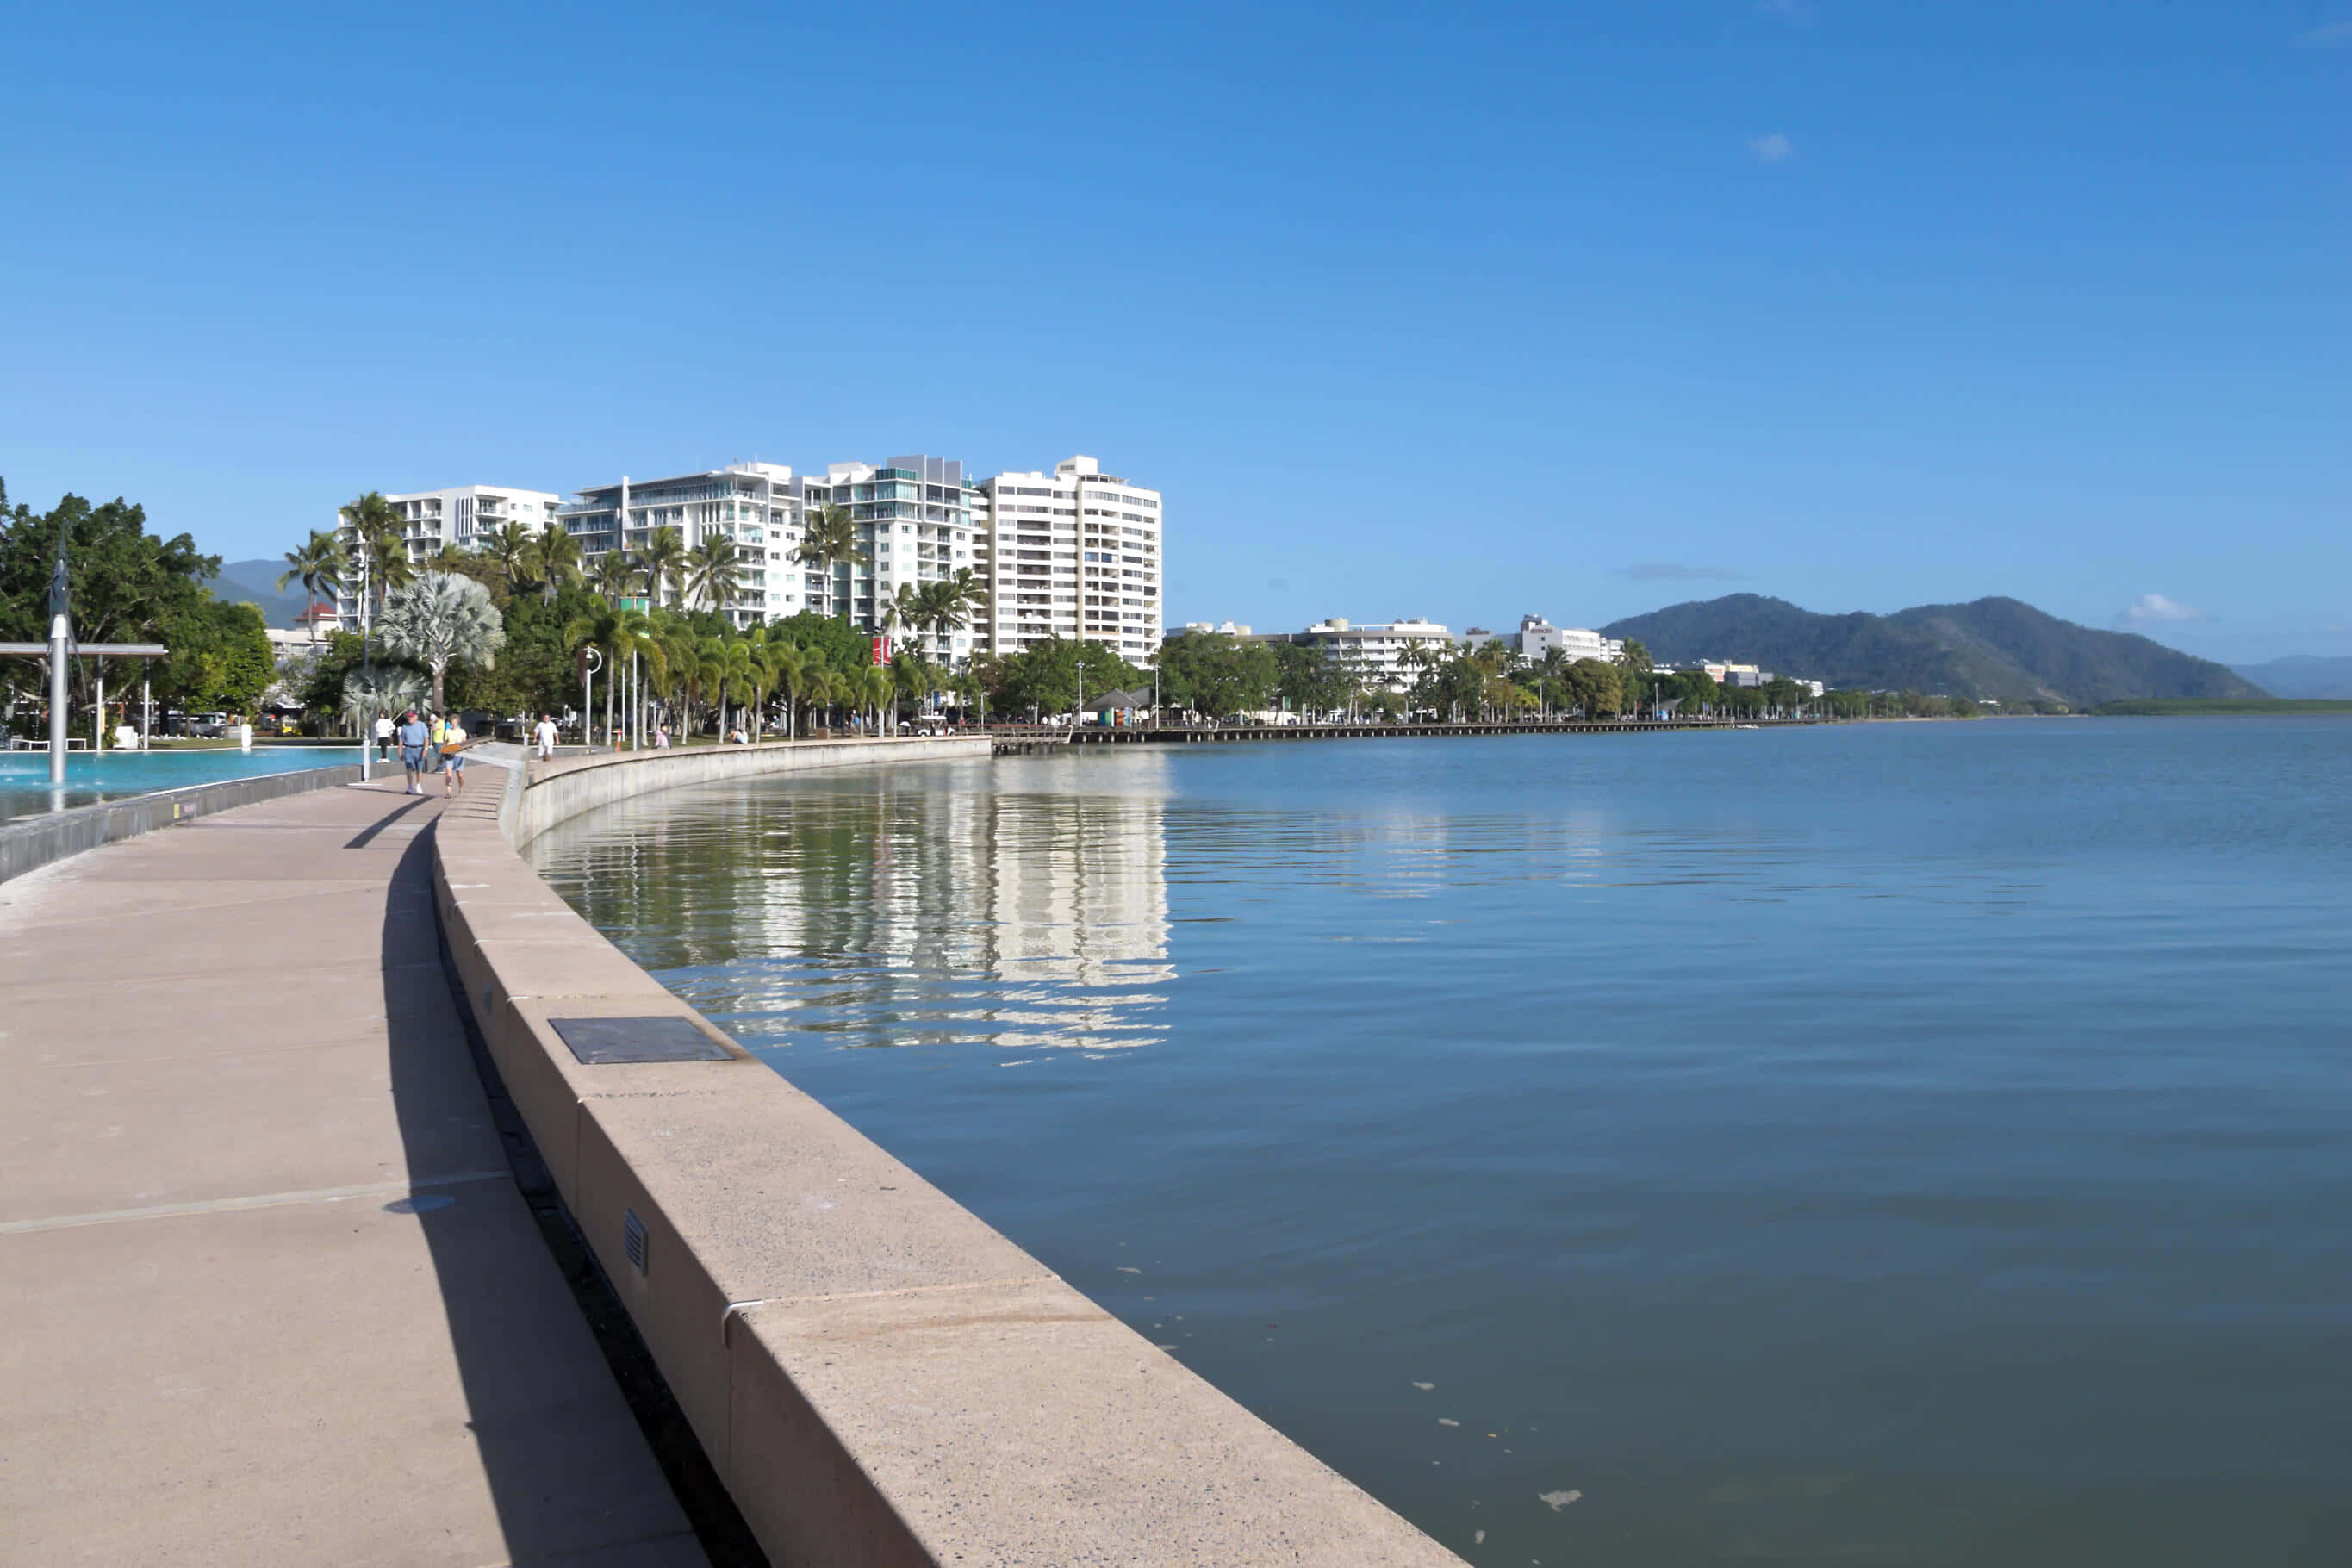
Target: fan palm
(662,561)
(321,564)
(714,570)
(827,540)
(442,618)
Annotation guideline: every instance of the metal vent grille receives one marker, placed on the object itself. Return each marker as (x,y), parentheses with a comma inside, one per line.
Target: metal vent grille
(633,1239)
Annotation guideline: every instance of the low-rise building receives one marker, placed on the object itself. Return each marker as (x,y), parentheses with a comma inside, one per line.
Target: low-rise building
(1537,636)
(1381,651)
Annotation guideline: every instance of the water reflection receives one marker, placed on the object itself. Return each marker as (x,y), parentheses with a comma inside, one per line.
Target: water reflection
(921,908)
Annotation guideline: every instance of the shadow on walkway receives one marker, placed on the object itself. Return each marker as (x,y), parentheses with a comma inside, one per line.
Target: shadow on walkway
(565,1458)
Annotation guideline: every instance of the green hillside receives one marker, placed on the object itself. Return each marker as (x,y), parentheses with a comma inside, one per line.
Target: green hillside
(256,583)
(1998,648)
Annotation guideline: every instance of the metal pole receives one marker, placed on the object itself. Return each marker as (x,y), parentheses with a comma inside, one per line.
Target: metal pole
(60,636)
(146,704)
(367,717)
(98,725)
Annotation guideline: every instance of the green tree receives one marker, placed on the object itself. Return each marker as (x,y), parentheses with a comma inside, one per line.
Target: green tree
(830,540)
(510,544)
(1216,673)
(1046,676)
(319,561)
(662,562)
(380,545)
(221,658)
(714,571)
(615,576)
(554,561)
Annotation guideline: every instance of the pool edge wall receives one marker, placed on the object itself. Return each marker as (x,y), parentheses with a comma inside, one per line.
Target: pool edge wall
(878,1375)
(36,842)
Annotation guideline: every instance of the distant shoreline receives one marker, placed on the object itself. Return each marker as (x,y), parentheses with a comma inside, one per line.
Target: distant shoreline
(2178,707)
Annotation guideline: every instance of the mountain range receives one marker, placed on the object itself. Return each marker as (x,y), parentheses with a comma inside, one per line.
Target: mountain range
(2303,675)
(1999,648)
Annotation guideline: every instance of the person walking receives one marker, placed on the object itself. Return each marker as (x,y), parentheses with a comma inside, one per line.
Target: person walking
(413,738)
(545,734)
(453,757)
(439,730)
(384,727)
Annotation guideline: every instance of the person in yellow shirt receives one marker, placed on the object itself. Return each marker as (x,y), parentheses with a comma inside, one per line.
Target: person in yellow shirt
(440,739)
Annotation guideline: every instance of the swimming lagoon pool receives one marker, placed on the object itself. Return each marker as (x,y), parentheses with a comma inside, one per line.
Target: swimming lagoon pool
(113,776)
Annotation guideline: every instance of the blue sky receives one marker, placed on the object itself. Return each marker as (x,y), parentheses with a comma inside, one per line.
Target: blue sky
(1463,310)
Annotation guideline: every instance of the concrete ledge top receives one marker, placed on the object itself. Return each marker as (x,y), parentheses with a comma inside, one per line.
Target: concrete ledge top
(879,1375)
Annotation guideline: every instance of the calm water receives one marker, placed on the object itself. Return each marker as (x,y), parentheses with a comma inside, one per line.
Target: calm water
(1916,1144)
(25,775)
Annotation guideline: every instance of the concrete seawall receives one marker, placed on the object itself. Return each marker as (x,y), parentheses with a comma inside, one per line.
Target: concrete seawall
(877,1376)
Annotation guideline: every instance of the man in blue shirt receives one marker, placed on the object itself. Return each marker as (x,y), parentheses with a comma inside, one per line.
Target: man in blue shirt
(412,737)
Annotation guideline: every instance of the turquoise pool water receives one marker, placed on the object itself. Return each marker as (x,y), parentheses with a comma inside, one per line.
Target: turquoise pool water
(1890,1144)
(25,775)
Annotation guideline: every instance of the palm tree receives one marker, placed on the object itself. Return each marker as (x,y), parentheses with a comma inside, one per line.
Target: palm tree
(442,618)
(873,688)
(952,603)
(510,544)
(714,570)
(788,669)
(613,574)
(663,561)
(707,673)
(380,534)
(554,560)
(905,609)
(321,564)
(738,675)
(827,540)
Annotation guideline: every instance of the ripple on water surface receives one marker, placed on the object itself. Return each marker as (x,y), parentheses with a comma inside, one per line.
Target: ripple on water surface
(1900,1144)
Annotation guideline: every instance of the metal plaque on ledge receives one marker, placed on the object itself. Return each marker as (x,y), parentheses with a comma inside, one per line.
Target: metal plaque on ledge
(602,1042)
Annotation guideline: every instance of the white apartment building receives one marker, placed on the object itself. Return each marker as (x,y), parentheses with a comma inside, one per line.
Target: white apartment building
(751,504)
(918,522)
(1537,636)
(431,521)
(1376,650)
(1074,554)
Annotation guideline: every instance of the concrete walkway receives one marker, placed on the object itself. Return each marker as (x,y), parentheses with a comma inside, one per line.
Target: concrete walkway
(268,1292)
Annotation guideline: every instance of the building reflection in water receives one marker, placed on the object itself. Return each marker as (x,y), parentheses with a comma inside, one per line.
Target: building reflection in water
(955,903)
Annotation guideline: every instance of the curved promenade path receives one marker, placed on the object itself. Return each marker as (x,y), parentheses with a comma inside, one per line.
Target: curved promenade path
(268,1290)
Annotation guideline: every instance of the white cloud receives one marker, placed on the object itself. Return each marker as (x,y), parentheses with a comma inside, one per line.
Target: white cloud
(2155,609)
(2328,33)
(1774,147)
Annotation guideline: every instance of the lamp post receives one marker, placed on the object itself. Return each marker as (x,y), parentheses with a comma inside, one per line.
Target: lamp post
(592,660)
